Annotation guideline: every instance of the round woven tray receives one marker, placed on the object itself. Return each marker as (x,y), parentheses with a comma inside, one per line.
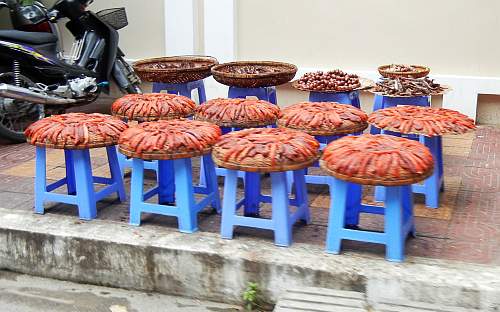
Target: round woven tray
(178,69)
(67,146)
(325,132)
(242,125)
(445,87)
(365,84)
(420,72)
(152,118)
(278,73)
(373,181)
(259,168)
(161,155)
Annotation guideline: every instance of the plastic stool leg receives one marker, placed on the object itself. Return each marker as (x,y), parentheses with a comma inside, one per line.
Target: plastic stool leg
(70,172)
(229,204)
(136,191)
(353,204)
(407,198)
(355,99)
(394,224)
(432,183)
(301,195)
(202,97)
(380,193)
(439,153)
(40,179)
(203,175)
(123,161)
(211,177)
(377,104)
(252,194)
(281,214)
(116,176)
(272,98)
(187,216)
(289,181)
(85,196)
(336,218)
(166,182)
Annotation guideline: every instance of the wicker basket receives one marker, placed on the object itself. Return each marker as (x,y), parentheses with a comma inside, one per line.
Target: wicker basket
(373,181)
(272,73)
(259,165)
(94,142)
(162,155)
(419,72)
(328,132)
(175,69)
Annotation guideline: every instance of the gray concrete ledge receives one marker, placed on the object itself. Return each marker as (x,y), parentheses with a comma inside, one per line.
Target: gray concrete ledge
(201,265)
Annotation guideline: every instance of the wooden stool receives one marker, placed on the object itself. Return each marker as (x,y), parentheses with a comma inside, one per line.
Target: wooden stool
(374,160)
(76,134)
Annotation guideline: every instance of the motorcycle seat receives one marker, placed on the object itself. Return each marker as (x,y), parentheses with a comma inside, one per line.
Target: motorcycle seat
(34,38)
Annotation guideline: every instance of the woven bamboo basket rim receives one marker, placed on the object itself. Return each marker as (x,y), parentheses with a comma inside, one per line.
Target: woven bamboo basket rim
(255,168)
(211,61)
(365,84)
(71,146)
(420,72)
(151,118)
(230,124)
(374,181)
(324,132)
(217,69)
(445,87)
(416,132)
(162,155)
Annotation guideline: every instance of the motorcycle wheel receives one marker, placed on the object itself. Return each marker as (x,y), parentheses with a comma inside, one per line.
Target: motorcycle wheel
(16,116)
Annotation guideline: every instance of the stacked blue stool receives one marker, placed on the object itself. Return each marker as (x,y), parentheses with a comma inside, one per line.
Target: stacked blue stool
(271,151)
(237,114)
(430,124)
(326,121)
(172,143)
(76,134)
(350,98)
(356,161)
(150,107)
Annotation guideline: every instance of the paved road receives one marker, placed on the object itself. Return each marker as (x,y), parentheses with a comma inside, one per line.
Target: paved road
(22,293)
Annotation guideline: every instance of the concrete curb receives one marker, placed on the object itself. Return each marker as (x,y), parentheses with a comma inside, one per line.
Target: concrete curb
(202,265)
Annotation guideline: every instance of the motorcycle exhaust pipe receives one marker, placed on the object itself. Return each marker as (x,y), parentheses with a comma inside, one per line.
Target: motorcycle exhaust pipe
(23,94)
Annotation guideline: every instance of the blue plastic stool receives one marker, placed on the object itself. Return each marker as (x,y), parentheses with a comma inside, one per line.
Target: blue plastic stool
(351,98)
(79,182)
(182,89)
(127,163)
(386,102)
(345,208)
(186,209)
(282,220)
(264,94)
(433,185)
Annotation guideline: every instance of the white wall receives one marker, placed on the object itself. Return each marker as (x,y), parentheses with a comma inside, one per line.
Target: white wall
(457,37)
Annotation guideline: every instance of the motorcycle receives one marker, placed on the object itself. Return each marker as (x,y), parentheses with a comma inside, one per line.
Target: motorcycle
(36,79)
